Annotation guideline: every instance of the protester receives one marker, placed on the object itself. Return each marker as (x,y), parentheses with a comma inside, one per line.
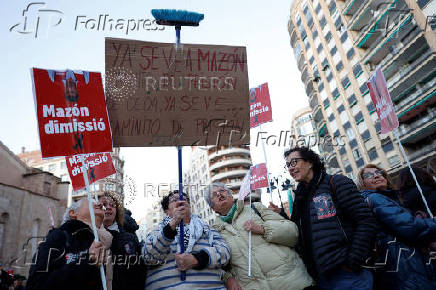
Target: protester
(410,195)
(205,251)
(274,264)
(128,269)
(69,258)
(401,264)
(336,227)
(19,282)
(5,279)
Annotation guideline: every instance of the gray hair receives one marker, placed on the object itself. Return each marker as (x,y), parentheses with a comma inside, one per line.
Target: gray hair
(74,206)
(209,189)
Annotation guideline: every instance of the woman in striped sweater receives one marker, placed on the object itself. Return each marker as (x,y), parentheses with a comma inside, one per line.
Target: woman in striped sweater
(205,251)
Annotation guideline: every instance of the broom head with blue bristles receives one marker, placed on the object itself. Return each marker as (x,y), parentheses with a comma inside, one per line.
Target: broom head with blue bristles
(173,17)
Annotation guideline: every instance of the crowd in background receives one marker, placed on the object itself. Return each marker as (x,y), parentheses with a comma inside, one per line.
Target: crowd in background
(341,235)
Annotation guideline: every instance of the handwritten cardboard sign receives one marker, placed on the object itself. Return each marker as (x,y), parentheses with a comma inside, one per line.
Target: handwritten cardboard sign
(158,95)
(98,166)
(71,112)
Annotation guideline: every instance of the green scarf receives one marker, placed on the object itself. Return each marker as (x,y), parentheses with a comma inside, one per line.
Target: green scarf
(229,217)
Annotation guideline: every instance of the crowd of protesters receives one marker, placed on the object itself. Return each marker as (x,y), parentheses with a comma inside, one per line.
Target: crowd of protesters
(371,234)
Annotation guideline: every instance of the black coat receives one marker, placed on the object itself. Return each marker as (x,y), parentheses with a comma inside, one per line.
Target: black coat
(335,229)
(129,269)
(62,260)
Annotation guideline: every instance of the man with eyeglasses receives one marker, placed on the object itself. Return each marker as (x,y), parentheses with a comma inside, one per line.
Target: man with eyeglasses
(336,226)
(205,251)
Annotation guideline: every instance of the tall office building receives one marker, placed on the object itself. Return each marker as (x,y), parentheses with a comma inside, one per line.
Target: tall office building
(332,46)
(214,164)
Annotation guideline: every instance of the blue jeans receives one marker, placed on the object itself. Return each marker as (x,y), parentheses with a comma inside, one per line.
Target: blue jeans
(345,280)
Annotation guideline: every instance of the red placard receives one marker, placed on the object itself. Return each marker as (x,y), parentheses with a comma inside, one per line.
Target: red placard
(98,165)
(382,101)
(71,112)
(260,105)
(258,177)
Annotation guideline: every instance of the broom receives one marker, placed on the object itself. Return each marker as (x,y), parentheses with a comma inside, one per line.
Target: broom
(178,18)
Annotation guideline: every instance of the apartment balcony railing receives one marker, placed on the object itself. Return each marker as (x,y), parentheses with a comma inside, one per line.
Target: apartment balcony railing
(405,129)
(230,162)
(229,151)
(414,97)
(228,174)
(423,151)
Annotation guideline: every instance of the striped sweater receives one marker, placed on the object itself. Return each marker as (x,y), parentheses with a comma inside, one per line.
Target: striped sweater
(160,249)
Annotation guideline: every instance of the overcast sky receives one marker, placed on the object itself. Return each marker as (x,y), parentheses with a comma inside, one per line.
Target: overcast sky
(261,26)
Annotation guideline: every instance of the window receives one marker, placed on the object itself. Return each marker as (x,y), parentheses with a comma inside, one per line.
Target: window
(366,136)
(338,24)
(315,34)
(352,100)
(358,118)
(342,150)
(332,7)
(344,37)
(318,8)
(363,88)
(350,53)
(370,107)
(335,94)
(328,36)
(326,103)
(333,50)
(322,22)
(341,108)
(353,143)
(52,167)
(357,70)
(350,133)
(339,66)
(387,145)
(329,76)
(359,162)
(394,160)
(319,48)
(378,127)
(320,87)
(372,154)
(345,82)
(331,117)
(348,169)
(311,60)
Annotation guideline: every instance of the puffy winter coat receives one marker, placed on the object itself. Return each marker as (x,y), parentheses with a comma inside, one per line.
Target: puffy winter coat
(336,226)
(274,264)
(401,265)
(62,260)
(129,270)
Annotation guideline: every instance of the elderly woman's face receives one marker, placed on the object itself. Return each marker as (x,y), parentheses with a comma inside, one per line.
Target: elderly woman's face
(82,213)
(298,168)
(111,209)
(373,178)
(221,199)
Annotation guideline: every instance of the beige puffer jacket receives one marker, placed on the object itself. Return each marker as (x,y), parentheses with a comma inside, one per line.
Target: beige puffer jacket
(274,263)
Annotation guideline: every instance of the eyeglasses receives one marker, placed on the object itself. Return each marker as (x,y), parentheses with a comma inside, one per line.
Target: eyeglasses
(369,175)
(176,198)
(293,162)
(215,193)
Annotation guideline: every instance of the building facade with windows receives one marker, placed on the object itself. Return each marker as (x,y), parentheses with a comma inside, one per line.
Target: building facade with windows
(211,164)
(335,79)
(58,167)
(400,37)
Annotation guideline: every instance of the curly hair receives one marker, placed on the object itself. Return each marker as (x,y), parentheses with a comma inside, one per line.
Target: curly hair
(309,156)
(166,199)
(119,217)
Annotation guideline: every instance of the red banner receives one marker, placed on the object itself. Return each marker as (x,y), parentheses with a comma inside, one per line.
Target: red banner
(71,112)
(98,165)
(258,177)
(382,101)
(260,105)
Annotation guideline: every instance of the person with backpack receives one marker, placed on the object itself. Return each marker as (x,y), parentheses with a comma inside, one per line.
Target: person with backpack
(69,258)
(336,227)
(274,262)
(400,262)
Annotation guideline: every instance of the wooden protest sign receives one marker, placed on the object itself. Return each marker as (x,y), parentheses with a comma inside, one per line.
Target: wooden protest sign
(71,112)
(160,96)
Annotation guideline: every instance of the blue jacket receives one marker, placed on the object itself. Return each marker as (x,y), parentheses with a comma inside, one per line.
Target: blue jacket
(400,263)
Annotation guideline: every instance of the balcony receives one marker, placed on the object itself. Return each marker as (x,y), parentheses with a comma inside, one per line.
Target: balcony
(229,174)
(419,129)
(234,185)
(360,18)
(423,152)
(313,101)
(353,7)
(304,75)
(414,98)
(230,162)
(401,39)
(409,74)
(228,152)
(301,63)
(309,87)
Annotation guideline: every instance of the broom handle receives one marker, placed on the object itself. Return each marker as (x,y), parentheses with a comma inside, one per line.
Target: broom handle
(181,226)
